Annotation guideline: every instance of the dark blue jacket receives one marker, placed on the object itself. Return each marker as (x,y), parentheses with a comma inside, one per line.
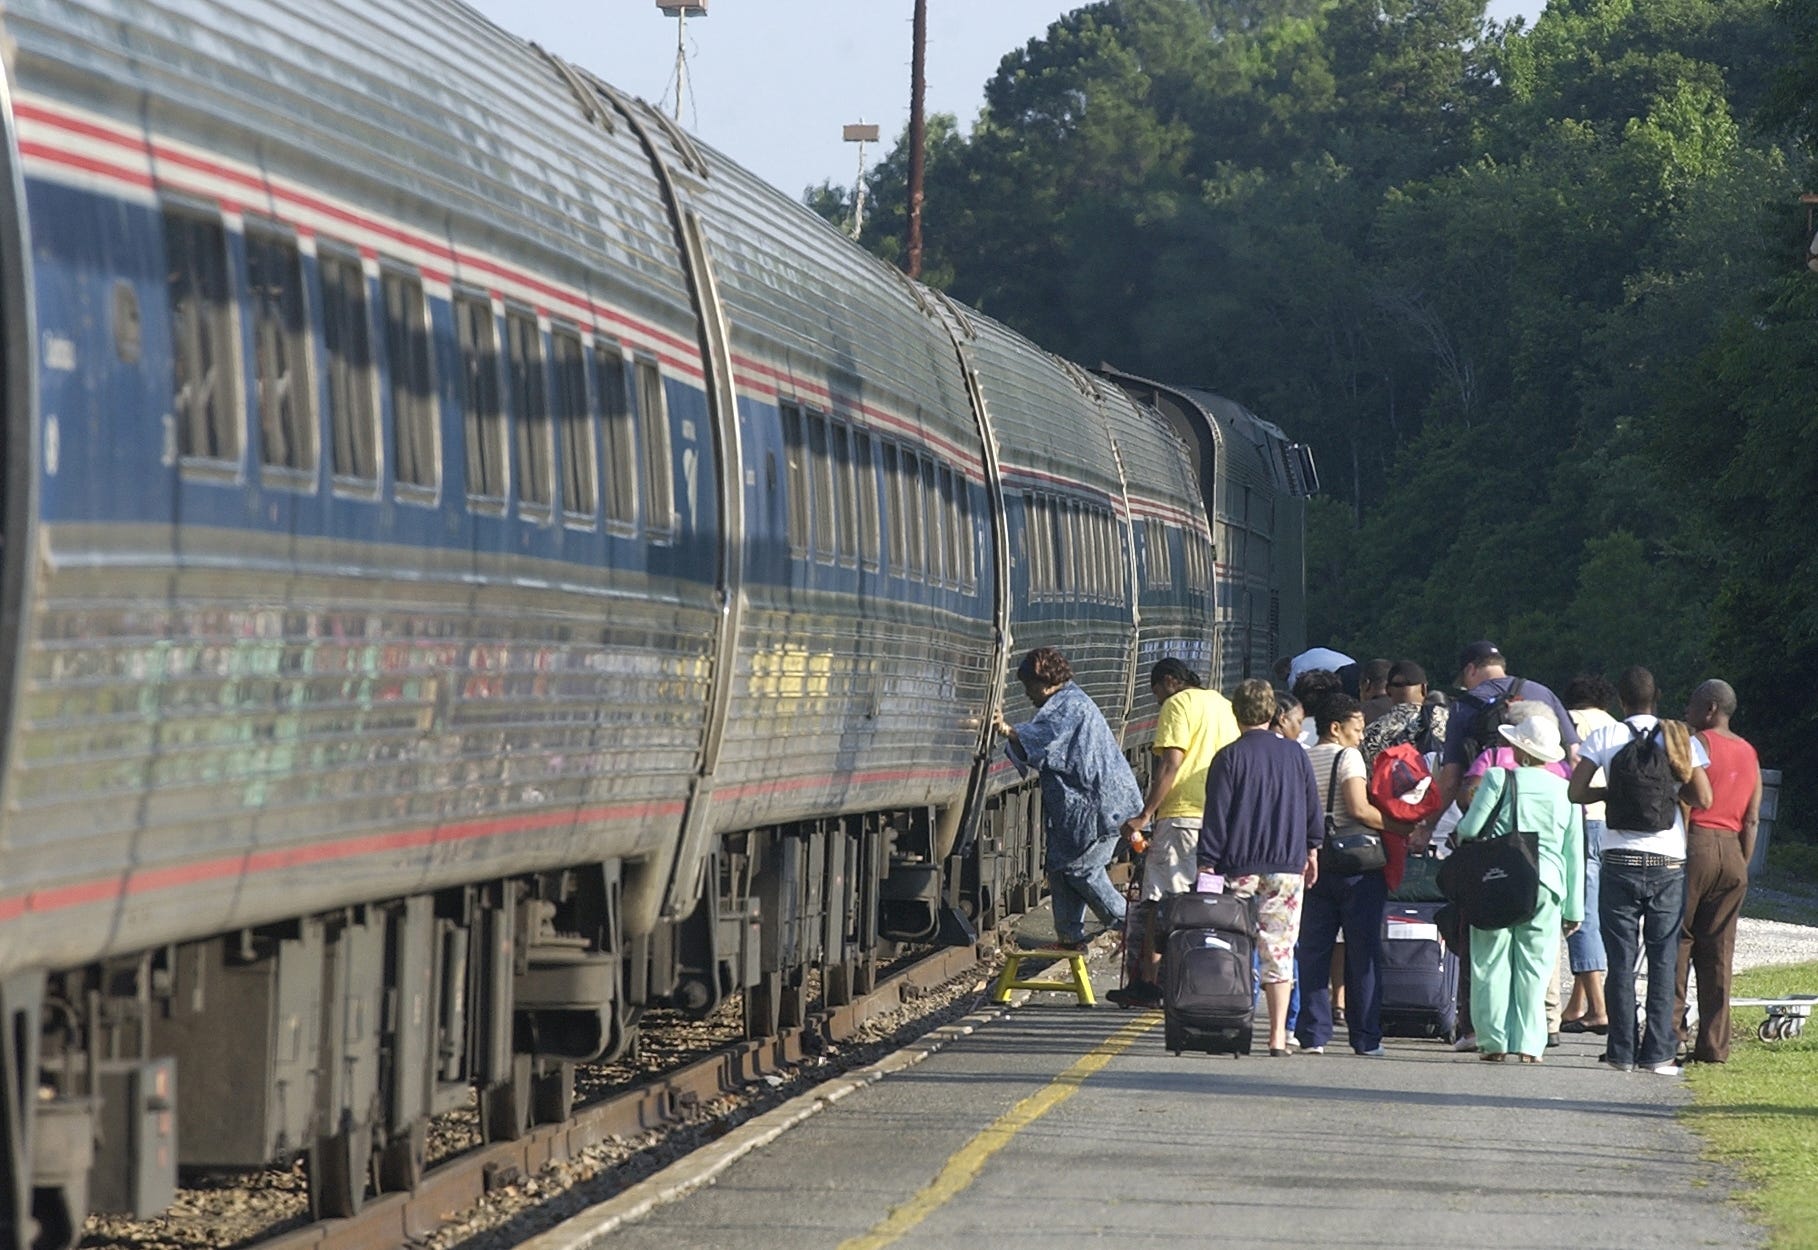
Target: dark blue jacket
(1262,808)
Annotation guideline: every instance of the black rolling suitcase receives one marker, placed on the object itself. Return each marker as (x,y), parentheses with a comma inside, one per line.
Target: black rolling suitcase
(1208,986)
(1419,975)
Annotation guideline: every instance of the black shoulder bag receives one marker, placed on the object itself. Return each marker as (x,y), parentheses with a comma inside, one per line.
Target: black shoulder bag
(1353,851)
(1494,882)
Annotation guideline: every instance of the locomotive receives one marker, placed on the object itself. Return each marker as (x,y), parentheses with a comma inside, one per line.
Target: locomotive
(478,564)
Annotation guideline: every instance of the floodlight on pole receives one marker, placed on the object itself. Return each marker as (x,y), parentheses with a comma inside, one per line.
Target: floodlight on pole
(860,134)
(681,11)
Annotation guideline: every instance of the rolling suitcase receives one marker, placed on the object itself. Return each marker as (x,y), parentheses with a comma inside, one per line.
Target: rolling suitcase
(1208,990)
(1419,975)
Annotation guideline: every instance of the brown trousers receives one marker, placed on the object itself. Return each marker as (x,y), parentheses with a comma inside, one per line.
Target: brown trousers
(1716,881)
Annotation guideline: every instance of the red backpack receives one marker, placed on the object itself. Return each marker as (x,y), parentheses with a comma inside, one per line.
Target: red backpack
(1398,775)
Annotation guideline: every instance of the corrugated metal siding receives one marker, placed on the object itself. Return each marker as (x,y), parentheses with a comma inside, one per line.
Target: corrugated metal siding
(844,702)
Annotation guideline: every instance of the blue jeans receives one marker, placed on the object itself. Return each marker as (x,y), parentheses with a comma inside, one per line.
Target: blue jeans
(1639,909)
(1075,891)
(1355,905)
(1586,945)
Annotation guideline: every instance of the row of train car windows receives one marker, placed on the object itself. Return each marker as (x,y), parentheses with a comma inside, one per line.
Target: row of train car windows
(1158,558)
(602,414)
(834,504)
(1075,550)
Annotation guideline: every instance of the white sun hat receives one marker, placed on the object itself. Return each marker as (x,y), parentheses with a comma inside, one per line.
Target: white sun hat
(1538,736)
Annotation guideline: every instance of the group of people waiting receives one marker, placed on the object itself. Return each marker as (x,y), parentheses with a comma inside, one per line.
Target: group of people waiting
(1642,829)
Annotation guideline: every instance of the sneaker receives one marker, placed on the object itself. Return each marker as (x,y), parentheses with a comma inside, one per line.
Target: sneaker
(1311,1050)
(1465,1043)
(1377,1053)
(1666,1069)
(1605,1059)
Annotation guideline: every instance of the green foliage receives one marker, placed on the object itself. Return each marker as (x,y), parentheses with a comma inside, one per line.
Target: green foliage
(1529,292)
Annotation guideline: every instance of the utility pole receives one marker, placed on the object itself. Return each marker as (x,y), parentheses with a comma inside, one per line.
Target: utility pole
(918,136)
(860,134)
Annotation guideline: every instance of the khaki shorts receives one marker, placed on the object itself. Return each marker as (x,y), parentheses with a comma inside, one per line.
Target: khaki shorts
(1173,859)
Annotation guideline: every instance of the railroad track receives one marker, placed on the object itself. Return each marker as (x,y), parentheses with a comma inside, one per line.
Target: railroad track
(674,1097)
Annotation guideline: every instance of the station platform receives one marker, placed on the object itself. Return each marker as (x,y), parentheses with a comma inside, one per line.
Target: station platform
(1053,1125)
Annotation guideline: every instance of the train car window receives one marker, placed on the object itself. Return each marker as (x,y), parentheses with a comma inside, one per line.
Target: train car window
(488,459)
(204,398)
(950,528)
(287,417)
(899,548)
(568,368)
(1092,521)
(1095,521)
(864,468)
(820,463)
(621,444)
(1114,564)
(529,411)
(653,423)
(1035,544)
(1158,559)
(795,447)
(931,509)
(967,541)
(413,393)
(845,495)
(347,343)
(909,494)
(1122,580)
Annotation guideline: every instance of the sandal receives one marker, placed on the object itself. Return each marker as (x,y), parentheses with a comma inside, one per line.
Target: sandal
(1493,1056)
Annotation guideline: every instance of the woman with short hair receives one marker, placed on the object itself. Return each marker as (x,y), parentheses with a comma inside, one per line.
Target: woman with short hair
(1088,791)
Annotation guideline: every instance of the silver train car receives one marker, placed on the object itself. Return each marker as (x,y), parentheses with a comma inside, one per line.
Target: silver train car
(478,564)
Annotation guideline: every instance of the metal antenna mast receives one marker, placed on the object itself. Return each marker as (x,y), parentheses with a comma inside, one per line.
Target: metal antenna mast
(681,11)
(860,134)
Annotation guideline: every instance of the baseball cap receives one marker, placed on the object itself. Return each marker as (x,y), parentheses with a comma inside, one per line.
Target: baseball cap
(1478,653)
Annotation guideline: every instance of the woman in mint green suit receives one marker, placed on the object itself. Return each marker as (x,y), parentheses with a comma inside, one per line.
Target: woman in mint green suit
(1511,968)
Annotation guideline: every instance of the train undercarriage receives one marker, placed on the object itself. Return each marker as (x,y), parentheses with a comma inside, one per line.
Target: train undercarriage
(336,1037)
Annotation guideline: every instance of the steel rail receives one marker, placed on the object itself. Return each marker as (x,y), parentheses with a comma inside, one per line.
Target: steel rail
(390,1220)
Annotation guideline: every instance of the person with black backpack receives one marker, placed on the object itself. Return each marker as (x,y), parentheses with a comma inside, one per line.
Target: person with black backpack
(1650,765)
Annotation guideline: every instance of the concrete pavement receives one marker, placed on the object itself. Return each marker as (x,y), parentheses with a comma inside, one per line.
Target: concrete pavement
(1422,1148)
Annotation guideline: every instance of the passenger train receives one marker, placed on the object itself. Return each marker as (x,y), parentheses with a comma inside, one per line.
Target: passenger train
(478,564)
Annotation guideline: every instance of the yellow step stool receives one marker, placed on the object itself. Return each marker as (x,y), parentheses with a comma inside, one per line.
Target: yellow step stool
(1077,983)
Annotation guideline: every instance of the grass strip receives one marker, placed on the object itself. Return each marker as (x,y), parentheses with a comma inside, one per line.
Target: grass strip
(1759,1111)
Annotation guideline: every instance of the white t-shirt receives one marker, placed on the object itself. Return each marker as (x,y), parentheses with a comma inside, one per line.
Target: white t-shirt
(1600,748)
(1587,720)
(1350,764)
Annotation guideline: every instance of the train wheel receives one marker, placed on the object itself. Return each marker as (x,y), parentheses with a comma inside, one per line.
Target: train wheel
(401,1160)
(552,1094)
(337,1174)
(505,1107)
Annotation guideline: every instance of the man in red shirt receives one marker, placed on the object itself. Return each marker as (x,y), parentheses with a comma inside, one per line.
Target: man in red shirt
(1719,841)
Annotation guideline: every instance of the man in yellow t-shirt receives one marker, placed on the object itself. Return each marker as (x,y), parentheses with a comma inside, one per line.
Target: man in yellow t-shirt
(1195,725)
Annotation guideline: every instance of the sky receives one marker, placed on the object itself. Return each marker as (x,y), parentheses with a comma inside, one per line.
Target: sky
(771,82)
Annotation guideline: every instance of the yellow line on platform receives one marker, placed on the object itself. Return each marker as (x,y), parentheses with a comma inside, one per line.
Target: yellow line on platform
(963,1167)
